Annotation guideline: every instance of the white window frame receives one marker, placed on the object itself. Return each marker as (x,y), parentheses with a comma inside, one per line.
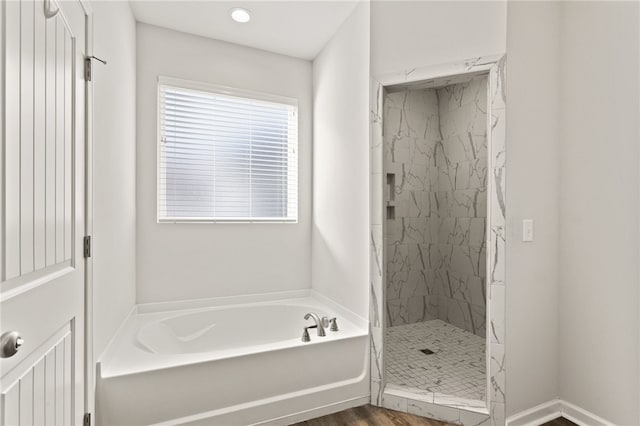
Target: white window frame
(223,90)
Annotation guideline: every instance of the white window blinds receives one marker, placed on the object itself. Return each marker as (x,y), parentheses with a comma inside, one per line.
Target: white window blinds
(226,155)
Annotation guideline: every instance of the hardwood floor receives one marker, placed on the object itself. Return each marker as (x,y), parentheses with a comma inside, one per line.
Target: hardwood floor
(368,415)
(560,421)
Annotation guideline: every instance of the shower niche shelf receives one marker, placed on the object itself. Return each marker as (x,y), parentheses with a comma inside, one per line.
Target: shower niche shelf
(390,196)
(391,212)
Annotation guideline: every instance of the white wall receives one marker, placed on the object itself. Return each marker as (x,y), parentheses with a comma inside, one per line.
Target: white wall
(114,173)
(533,89)
(599,209)
(340,235)
(187,261)
(410,34)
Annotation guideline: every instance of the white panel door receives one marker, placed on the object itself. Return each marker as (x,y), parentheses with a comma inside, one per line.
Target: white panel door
(42,191)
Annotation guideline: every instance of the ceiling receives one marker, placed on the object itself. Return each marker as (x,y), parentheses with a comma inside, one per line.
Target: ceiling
(294,28)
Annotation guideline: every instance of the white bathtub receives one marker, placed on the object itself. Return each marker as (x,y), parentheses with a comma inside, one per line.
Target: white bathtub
(217,363)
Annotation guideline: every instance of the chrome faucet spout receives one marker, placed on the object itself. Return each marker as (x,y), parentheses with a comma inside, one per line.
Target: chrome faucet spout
(318,322)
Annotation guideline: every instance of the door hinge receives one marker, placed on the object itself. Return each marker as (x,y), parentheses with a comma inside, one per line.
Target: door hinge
(87,246)
(87,69)
(87,419)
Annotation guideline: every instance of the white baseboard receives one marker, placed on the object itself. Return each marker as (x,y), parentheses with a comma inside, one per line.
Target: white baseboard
(550,410)
(581,416)
(537,415)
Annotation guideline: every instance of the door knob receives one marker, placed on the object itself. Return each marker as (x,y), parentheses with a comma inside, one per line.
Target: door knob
(10,343)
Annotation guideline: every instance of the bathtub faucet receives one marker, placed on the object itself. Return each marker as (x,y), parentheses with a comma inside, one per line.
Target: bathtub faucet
(318,321)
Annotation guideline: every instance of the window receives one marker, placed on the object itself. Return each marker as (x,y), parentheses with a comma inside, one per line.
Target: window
(226,155)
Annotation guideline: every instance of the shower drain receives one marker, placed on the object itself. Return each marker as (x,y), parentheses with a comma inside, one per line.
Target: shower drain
(427,351)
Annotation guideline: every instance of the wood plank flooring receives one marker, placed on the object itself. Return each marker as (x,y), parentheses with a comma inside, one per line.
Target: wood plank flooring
(560,421)
(368,415)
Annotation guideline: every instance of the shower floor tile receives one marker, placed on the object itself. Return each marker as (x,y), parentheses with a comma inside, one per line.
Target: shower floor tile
(456,367)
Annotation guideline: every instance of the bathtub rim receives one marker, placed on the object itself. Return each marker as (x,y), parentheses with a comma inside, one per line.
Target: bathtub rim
(188,304)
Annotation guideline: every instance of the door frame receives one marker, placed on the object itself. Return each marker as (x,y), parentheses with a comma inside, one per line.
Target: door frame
(452,410)
(89,371)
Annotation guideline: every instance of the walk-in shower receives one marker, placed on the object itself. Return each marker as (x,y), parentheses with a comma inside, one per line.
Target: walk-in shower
(435,163)
(437,241)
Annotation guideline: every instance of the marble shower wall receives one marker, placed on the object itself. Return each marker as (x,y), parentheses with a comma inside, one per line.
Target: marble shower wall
(411,130)
(461,161)
(435,159)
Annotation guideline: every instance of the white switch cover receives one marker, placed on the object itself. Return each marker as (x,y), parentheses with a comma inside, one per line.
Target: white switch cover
(527,230)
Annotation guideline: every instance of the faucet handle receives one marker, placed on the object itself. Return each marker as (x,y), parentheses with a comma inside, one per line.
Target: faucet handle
(334,324)
(305,334)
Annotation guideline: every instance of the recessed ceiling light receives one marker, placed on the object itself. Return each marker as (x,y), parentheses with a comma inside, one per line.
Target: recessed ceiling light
(241,15)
